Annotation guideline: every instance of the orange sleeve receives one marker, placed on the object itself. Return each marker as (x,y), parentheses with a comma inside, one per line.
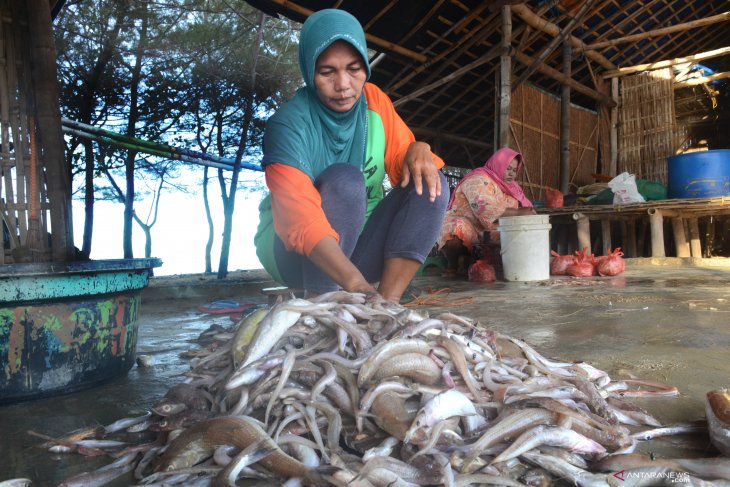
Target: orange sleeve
(296,204)
(398,136)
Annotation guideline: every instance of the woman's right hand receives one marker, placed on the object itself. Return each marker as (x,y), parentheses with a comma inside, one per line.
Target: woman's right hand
(328,256)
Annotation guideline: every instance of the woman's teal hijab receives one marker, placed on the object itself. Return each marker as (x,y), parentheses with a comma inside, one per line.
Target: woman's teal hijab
(304,133)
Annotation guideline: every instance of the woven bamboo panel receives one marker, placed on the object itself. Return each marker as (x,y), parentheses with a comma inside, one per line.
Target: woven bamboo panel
(648,131)
(535,131)
(23,205)
(583,147)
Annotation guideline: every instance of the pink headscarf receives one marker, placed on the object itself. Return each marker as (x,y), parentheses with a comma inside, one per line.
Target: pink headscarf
(495,168)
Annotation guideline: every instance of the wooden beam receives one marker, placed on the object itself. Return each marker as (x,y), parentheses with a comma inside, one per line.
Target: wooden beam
(667,63)
(702,80)
(380,42)
(422,132)
(552,45)
(491,54)
(539,23)
(660,32)
(560,77)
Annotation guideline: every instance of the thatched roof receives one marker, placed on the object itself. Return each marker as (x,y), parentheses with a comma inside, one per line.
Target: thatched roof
(439,60)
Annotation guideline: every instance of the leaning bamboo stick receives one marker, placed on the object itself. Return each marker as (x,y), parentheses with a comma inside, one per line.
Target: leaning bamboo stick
(667,63)
(387,45)
(491,54)
(725,16)
(540,23)
(702,80)
(560,77)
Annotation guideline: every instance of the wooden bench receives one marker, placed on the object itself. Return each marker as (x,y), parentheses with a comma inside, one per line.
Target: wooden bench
(684,215)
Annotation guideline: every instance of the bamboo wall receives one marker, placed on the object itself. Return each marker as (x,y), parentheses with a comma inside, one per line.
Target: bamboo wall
(535,132)
(23,200)
(648,131)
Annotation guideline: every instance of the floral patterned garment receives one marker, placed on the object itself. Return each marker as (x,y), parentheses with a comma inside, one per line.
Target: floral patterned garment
(477,206)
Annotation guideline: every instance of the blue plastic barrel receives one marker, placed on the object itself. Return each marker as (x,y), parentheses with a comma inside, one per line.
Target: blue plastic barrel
(703,174)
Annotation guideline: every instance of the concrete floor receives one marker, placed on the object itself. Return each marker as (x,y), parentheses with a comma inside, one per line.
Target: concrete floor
(664,320)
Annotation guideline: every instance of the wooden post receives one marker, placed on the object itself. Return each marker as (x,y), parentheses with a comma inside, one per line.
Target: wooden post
(694,238)
(50,136)
(656,222)
(505,67)
(565,122)
(606,236)
(630,242)
(583,226)
(709,236)
(680,239)
(613,168)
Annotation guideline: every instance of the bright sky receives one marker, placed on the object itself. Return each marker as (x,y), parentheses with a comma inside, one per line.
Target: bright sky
(181,231)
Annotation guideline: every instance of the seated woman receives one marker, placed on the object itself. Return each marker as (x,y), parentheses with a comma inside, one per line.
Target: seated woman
(480,199)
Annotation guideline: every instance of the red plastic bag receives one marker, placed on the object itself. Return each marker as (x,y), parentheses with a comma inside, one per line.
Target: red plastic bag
(611,264)
(584,265)
(553,198)
(481,271)
(560,263)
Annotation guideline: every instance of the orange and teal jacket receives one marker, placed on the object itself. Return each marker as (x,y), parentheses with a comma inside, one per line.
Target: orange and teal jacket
(293,209)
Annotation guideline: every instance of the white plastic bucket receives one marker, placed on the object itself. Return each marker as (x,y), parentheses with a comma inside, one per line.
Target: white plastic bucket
(525,247)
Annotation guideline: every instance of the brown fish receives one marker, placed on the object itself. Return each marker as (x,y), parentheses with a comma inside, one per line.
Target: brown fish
(200,441)
(717,409)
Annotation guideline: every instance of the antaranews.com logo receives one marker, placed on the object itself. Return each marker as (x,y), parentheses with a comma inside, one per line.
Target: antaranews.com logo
(671,476)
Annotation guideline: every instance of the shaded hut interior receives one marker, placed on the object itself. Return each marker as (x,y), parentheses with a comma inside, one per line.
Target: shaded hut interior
(440,63)
(584,90)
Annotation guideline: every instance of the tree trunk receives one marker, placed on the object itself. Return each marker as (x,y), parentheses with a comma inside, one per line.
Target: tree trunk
(209,218)
(86,114)
(88,198)
(229,202)
(131,132)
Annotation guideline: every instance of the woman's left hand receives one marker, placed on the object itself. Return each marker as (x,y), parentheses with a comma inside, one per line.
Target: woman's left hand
(418,165)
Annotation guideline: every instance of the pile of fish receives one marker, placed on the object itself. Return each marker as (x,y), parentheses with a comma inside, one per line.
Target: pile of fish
(349,390)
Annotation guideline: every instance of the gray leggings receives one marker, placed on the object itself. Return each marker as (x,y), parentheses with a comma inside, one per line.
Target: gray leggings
(403,224)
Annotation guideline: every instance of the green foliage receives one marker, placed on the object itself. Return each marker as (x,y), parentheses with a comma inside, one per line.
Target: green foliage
(195,58)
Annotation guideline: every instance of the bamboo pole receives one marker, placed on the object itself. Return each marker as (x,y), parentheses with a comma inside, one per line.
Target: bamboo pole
(565,122)
(694,238)
(553,44)
(725,16)
(428,132)
(505,76)
(539,23)
(702,80)
(667,63)
(560,77)
(404,78)
(378,41)
(491,54)
(613,168)
(583,226)
(680,238)
(656,222)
